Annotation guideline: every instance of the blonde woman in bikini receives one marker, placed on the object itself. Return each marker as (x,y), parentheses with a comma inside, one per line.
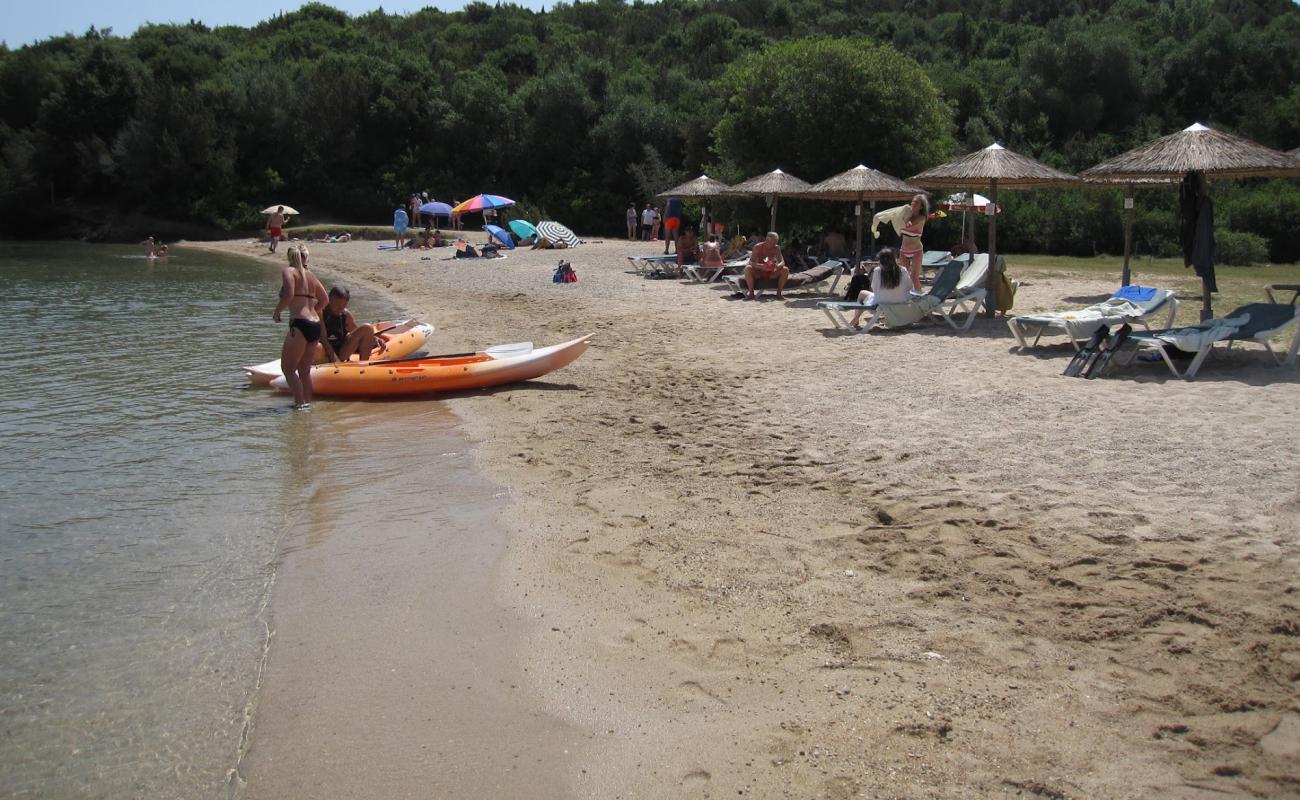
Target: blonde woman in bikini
(911,250)
(304,295)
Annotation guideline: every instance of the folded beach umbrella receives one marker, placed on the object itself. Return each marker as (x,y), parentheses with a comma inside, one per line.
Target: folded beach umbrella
(522,229)
(501,235)
(288,210)
(436,209)
(481,201)
(557,233)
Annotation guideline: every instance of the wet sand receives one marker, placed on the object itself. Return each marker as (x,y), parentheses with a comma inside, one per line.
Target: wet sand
(778,562)
(393,671)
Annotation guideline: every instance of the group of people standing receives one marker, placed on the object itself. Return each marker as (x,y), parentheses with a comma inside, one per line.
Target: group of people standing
(320,326)
(651,222)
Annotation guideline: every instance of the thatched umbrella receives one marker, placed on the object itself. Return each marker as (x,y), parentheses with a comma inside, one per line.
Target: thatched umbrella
(703,187)
(1196,148)
(772,185)
(858,184)
(995,167)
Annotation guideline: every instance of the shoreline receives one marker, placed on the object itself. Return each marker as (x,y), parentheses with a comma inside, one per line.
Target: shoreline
(908,564)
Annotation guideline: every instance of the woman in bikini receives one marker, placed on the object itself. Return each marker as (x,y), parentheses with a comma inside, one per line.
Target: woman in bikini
(303,294)
(911,251)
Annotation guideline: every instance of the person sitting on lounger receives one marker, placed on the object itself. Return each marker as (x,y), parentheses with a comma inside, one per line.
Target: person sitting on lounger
(711,253)
(890,283)
(688,248)
(765,263)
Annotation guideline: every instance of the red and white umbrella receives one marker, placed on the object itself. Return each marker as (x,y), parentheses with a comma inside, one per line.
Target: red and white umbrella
(961,202)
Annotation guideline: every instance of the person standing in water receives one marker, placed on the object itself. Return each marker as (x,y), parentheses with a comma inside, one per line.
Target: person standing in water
(304,295)
(911,251)
(150,248)
(275,226)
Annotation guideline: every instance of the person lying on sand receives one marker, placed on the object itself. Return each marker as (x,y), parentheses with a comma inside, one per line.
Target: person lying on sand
(543,243)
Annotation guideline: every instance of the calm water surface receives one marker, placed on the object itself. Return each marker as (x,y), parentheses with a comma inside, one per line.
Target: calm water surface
(144,491)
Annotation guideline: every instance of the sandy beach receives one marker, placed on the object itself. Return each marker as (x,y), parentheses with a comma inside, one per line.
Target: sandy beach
(760,559)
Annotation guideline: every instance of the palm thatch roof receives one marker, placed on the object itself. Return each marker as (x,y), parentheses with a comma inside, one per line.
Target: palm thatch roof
(775,183)
(865,183)
(703,186)
(1197,148)
(1012,171)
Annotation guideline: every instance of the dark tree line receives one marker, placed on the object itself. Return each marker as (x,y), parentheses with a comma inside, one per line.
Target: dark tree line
(580,109)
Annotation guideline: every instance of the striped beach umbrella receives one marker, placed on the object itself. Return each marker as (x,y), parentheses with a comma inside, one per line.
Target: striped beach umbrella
(557,233)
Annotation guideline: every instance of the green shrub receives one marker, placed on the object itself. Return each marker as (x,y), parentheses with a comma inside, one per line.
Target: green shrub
(1241,249)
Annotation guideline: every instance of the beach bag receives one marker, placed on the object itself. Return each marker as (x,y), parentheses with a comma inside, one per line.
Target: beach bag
(564,274)
(1004,291)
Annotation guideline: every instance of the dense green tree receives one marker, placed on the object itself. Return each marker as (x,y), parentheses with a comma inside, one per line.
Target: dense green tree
(579,109)
(816,107)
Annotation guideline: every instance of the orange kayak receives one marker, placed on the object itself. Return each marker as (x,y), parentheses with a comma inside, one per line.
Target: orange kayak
(505,363)
(394,339)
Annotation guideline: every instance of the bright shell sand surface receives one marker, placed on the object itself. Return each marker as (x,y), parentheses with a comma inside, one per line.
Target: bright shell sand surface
(784,563)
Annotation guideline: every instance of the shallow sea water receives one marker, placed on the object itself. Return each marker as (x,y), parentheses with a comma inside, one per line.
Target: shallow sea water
(144,493)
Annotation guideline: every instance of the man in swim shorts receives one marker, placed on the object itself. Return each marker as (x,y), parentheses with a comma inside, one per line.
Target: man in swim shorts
(343,336)
(275,226)
(673,213)
(765,263)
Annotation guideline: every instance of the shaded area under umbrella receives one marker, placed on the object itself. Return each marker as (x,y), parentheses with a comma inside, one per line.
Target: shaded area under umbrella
(858,184)
(522,229)
(995,167)
(500,235)
(773,186)
(436,209)
(1197,150)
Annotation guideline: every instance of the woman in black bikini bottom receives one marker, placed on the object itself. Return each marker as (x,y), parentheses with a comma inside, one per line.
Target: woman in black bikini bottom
(302,293)
(310,330)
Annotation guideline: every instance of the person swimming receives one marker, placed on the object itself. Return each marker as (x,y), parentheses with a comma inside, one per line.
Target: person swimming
(304,296)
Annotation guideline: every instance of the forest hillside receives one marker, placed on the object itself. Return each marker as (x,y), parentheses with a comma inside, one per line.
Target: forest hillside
(583,108)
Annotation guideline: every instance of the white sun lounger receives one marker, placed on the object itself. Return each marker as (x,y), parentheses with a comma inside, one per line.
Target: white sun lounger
(1254,322)
(1080,324)
(699,273)
(896,315)
(652,265)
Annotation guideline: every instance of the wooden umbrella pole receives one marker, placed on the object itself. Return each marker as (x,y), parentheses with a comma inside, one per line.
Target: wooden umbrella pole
(990,279)
(857,247)
(872,247)
(1128,234)
(775,200)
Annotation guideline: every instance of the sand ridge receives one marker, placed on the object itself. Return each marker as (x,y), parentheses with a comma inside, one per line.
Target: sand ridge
(764,560)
